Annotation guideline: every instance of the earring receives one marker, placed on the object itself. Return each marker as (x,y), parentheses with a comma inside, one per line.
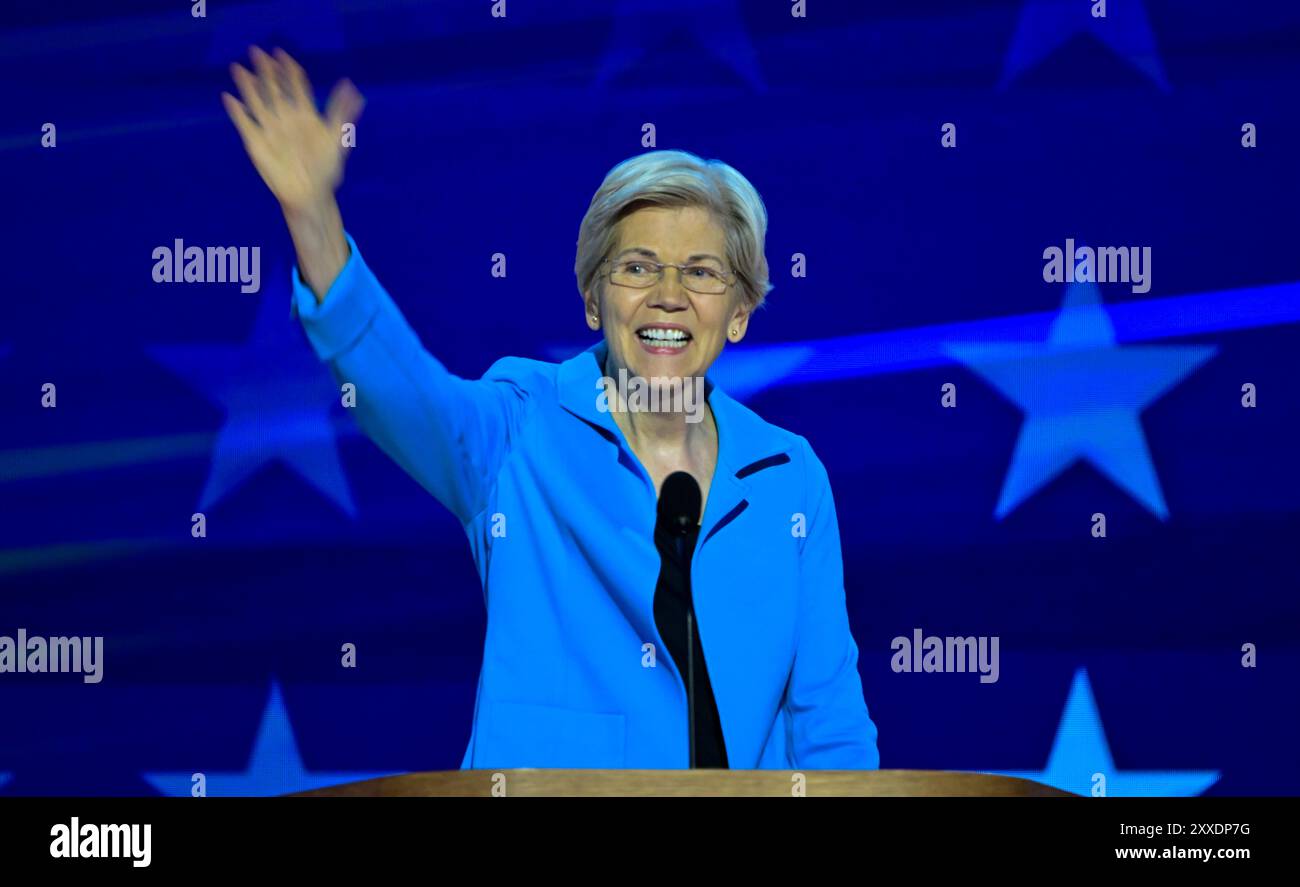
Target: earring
(734,332)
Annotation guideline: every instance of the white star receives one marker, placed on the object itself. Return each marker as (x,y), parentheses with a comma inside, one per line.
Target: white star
(1082,395)
(716,26)
(274,766)
(1080,755)
(277,398)
(1046,25)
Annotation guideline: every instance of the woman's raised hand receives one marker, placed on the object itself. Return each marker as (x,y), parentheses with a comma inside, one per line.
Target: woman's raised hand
(298,152)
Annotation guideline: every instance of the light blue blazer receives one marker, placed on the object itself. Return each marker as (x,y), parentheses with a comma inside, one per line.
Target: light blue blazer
(560,516)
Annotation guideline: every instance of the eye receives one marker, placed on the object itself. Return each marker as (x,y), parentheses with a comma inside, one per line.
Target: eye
(701,271)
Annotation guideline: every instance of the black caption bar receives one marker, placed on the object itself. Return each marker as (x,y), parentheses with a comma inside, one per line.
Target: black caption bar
(306,835)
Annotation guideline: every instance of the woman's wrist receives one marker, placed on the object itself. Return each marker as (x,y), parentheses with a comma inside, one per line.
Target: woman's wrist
(316,229)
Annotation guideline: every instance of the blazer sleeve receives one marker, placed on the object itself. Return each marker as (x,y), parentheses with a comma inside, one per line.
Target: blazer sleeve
(450,434)
(830,728)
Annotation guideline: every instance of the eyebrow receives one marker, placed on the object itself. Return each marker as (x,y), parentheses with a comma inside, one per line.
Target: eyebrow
(651,254)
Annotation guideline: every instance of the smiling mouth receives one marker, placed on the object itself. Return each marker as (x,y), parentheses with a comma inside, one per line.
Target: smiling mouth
(663,340)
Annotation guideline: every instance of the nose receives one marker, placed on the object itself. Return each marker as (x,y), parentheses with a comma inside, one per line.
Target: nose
(671,296)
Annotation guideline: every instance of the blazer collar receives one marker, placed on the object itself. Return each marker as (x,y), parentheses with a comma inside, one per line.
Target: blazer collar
(743,438)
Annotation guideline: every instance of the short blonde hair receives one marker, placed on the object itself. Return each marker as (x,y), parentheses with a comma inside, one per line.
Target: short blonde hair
(679,178)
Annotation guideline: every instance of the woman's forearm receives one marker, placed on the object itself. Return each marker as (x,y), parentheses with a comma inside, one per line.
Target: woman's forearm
(317,233)
(451,434)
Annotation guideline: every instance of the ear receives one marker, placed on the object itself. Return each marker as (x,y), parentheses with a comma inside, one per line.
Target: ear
(739,323)
(591,307)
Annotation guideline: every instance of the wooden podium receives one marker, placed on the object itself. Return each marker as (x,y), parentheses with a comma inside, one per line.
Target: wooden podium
(689,783)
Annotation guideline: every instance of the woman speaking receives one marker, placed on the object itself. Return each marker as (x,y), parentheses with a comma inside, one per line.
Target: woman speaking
(662,573)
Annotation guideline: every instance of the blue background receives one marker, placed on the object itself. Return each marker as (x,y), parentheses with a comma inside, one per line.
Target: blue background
(481,135)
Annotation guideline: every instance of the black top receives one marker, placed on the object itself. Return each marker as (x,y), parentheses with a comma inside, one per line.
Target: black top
(671,604)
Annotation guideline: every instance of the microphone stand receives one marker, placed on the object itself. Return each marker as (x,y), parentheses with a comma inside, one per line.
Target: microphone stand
(685,557)
(678,520)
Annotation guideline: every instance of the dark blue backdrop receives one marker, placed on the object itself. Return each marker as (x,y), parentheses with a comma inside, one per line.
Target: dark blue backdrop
(1120,656)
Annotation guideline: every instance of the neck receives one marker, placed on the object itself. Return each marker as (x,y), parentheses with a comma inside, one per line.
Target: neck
(666,430)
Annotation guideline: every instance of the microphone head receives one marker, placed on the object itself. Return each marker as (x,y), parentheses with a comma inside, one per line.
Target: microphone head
(679,503)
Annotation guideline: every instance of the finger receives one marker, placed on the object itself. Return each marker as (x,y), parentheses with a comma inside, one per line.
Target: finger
(268,78)
(244,122)
(246,83)
(299,85)
(344,105)
(282,80)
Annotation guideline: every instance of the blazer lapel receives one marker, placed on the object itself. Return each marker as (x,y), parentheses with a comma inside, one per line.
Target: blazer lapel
(744,440)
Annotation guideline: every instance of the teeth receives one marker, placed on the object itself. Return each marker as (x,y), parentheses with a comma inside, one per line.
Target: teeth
(663,335)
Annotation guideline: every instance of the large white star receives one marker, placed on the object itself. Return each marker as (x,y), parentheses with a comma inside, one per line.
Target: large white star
(1082,395)
(1046,25)
(1080,754)
(274,766)
(717,29)
(277,398)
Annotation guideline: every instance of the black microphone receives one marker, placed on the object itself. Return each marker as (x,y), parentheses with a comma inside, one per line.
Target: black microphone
(678,521)
(679,506)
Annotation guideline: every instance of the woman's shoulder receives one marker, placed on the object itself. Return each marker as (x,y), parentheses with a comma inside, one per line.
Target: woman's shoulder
(523,372)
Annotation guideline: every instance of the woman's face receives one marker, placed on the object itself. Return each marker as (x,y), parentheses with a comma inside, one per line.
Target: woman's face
(683,235)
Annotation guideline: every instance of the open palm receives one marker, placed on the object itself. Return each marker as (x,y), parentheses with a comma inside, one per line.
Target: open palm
(298,152)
